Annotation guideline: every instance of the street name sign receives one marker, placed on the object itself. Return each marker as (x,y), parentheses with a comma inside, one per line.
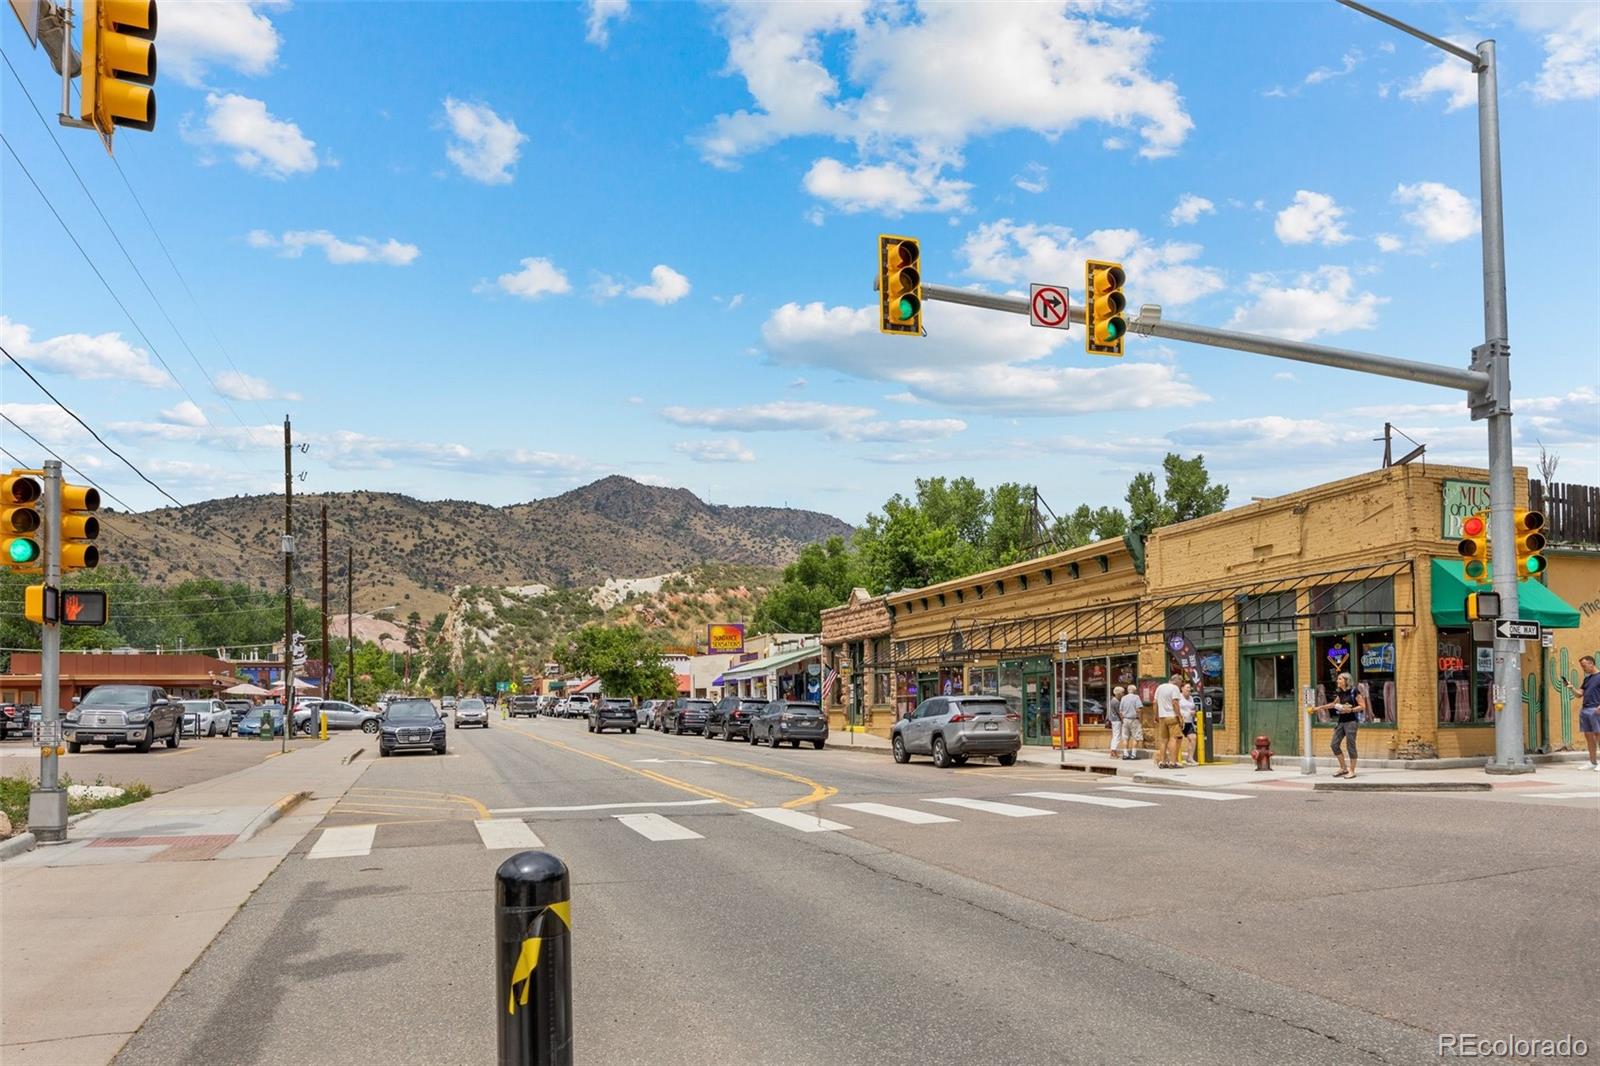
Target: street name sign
(1047,306)
(1516,629)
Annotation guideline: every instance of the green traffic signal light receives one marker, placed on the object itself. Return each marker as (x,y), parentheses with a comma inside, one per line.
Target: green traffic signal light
(22,551)
(1535,563)
(907,309)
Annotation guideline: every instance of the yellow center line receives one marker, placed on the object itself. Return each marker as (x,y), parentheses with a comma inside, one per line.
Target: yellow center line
(818,793)
(376,793)
(671,782)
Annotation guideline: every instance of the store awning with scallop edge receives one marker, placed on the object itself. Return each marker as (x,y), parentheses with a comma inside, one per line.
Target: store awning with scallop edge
(1535,603)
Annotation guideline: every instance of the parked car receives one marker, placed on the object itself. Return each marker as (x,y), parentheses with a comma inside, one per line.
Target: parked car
(33,714)
(13,721)
(731,717)
(791,720)
(472,712)
(237,709)
(411,725)
(648,711)
(686,715)
(953,728)
(206,718)
(341,715)
(448,703)
(123,714)
(250,724)
(524,706)
(577,706)
(613,713)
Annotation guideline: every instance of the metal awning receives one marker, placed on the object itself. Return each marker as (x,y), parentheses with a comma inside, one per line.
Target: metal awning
(761,667)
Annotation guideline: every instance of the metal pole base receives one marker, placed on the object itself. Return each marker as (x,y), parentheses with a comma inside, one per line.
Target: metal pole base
(47,815)
(1525,767)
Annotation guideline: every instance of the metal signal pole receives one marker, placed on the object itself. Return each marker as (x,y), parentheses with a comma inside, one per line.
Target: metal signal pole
(324,689)
(47,804)
(349,625)
(288,584)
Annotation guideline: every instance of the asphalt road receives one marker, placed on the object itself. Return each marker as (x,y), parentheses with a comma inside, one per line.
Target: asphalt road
(1122,926)
(163,768)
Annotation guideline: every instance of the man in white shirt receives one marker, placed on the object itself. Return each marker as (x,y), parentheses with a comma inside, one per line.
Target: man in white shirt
(1169,728)
(1132,730)
(1114,720)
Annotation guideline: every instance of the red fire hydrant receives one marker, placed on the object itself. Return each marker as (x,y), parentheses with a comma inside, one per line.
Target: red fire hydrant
(1263,753)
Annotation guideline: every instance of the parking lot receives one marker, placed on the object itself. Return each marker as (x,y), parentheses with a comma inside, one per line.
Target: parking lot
(163,769)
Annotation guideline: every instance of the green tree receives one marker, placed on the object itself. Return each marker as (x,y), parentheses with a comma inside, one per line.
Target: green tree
(1089,524)
(820,578)
(903,548)
(1010,536)
(624,658)
(1188,493)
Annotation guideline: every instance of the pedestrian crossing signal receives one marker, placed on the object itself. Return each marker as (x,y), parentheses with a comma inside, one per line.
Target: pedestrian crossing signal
(899,285)
(1104,302)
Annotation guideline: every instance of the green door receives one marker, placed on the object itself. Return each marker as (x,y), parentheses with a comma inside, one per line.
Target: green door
(1271,708)
(1037,701)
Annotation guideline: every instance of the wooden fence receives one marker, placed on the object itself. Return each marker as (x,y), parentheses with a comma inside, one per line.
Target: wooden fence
(1571,512)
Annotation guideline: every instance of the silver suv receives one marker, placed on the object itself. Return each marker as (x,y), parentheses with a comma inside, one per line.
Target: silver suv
(952,728)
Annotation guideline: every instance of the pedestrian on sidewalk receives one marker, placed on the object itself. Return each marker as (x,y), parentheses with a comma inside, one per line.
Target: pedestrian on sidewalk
(1186,715)
(1348,706)
(1114,720)
(1589,711)
(1132,728)
(1169,727)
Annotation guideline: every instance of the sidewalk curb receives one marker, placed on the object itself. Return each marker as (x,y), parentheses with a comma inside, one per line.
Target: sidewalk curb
(1402,786)
(348,759)
(25,842)
(272,814)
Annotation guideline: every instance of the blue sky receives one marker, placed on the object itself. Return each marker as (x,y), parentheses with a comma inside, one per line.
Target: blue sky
(494,251)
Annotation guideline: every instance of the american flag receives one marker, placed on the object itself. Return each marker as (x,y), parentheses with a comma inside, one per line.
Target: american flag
(827,683)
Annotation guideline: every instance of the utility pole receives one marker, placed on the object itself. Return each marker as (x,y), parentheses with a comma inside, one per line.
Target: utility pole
(350,624)
(325,665)
(288,584)
(47,804)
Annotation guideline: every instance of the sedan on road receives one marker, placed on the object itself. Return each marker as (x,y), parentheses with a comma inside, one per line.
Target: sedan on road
(411,725)
(206,718)
(953,728)
(250,724)
(685,715)
(472,712)
(731,718)
(791,720)
(615,714)
(340,715)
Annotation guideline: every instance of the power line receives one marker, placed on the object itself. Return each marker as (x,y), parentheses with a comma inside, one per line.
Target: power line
(113,293)
(125,254)
(103,490)
(84,424)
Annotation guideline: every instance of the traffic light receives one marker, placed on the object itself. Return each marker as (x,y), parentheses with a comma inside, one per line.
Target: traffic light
(1474,548)
(899,285)
(1530,543)
(119,64)
(79,527)
(19,520)
(1102,307)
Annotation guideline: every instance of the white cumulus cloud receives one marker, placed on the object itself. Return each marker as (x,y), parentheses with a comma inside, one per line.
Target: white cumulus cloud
(601,14)
(884,188)
(667,286)
(1570,34)
(1441,215)
(259,140)
(236,385)
(293,244)
(537,278)
(1189,208)
(483,146)
(102,357)
(1313,218)
(220,33)
(724,450)
(1450,77)
(1323,301)
(185,413)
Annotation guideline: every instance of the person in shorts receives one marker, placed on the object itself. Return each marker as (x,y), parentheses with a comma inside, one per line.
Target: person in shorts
(1132,728)
(1169,727)
(1348,705)
(1589,710)
(1186,715)
(1114,720)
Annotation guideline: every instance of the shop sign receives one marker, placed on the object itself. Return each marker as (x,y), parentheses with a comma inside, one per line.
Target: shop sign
(1378,658)
(1184,654)
(725,637)
(1338,655)
(1461,500)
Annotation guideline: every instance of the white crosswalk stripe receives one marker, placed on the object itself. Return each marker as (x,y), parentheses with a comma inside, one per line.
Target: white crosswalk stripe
(657,827)
(507,833)
(1093,801)
(1563,795)
(899,814)
(1187,793)
(806,823)
(343,842)
(1009,810)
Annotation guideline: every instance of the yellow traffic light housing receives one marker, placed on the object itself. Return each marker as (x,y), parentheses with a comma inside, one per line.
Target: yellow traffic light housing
(1530,543)
(1103,304)
(19,521)
(79,527)
(1474,548)
(899,285)
(119,65)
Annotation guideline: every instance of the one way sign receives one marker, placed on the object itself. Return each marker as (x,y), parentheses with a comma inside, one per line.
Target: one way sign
(1516,629)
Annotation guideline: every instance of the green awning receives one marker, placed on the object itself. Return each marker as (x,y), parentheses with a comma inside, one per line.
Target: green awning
(761,667)
(1534,602)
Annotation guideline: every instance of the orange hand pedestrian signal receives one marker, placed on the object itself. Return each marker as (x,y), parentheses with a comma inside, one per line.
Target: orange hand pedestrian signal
(84,607)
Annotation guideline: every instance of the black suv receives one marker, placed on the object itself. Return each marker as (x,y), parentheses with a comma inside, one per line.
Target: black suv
(731,717)
(613,713)
(123,714)
(684,716)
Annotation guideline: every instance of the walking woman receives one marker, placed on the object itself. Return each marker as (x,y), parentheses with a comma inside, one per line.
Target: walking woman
(1186,714)
(1348,706)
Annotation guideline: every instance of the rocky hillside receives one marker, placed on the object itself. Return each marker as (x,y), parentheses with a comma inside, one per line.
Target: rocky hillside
(411,554)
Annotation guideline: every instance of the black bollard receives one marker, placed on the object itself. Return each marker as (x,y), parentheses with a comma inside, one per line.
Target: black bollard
(533,960)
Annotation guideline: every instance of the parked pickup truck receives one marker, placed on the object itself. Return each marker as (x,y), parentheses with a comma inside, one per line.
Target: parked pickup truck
(123,714)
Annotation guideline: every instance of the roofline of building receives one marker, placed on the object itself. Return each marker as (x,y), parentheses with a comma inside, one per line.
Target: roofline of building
(1110,548)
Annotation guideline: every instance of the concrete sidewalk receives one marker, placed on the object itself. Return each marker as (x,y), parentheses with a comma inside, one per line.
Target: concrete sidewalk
(1570,773)
(99,929)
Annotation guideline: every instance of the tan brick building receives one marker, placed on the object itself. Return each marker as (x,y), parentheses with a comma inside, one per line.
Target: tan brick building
(855,646)
(1263,605)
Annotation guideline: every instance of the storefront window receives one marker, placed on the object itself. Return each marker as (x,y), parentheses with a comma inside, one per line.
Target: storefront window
(1010,685)
(1096,689)
(1369,657)
(907,694)
(983,681)
(1071,687)
(1200,622)
(1269,619)
(1466,679)
(1353,605)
